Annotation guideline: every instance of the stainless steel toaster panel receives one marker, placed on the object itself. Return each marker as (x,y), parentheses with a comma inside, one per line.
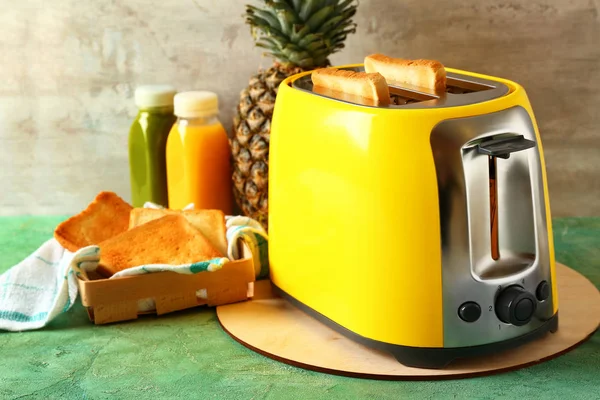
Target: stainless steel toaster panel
(469,271)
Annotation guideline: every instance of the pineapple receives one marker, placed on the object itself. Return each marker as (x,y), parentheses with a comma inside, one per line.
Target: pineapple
(300,35)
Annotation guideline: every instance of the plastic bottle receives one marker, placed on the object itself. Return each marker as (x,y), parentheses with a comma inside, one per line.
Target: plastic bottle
(147,144)
(198,156)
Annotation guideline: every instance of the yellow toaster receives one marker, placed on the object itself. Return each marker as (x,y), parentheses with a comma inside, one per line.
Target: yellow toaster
(420,228)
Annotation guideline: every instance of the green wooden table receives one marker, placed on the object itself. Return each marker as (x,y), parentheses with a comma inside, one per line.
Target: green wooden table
(187,354)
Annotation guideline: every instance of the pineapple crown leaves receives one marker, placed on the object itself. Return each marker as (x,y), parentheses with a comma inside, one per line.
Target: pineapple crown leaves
(302,33)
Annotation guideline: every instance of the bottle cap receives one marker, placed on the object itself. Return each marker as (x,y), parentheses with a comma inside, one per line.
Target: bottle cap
(154,96)
(196,104)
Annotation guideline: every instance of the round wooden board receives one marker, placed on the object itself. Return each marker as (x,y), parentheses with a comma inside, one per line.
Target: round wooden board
(273,327)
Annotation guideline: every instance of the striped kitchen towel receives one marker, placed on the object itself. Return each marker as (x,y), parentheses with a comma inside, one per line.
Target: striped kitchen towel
(254,235)
(44,285)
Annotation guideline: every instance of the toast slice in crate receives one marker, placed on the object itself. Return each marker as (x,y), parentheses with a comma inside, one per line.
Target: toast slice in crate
(211,223)
(106,216)
(170,240)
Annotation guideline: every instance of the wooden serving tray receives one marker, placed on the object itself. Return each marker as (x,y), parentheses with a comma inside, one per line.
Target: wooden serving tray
(273,327)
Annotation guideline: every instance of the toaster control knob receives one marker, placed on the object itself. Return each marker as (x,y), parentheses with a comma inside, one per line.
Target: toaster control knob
(515,305)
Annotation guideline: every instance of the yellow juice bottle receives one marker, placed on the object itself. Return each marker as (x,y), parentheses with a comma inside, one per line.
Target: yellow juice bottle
(198,156)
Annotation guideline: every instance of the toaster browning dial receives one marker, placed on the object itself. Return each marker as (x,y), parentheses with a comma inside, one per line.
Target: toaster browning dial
(515,305)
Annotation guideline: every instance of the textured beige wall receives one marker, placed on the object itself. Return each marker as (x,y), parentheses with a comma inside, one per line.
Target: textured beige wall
(69,68)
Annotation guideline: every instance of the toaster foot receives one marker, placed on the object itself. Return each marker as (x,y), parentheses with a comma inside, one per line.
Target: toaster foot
(426,357)
(416,359)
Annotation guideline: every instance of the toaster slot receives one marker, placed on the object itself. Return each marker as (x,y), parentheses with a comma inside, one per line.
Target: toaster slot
(458,90)
(454,85)
(401,96)
(401,100)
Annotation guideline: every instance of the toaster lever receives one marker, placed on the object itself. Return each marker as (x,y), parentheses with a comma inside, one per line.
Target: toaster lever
(503,147)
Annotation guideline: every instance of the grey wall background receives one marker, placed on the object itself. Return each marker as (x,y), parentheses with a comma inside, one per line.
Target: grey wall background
(69,68)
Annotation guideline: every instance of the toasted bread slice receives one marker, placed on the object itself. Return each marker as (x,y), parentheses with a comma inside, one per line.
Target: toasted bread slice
(170,240)
(106,216)
(428,74)
(370,86)
(211,223)
(139,216)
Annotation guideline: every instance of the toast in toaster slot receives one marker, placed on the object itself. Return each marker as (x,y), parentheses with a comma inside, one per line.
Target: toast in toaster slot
(358,87)
(429,74)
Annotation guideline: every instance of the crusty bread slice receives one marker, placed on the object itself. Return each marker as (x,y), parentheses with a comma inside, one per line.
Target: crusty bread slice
(170,240)
(211,223)
(428,74)
(370,86)
(106,216)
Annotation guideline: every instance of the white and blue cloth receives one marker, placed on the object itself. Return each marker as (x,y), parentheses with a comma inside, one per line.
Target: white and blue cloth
(44,285)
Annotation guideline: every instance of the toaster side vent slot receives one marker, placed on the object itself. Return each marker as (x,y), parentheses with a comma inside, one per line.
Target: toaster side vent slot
(494,250)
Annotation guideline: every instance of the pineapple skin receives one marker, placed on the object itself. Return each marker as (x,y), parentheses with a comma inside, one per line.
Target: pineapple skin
(300,35)
(250,141)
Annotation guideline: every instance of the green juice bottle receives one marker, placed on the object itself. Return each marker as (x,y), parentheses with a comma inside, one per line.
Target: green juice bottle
(147,142)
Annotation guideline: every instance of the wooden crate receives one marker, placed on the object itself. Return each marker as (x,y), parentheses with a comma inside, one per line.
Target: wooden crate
(113,300)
